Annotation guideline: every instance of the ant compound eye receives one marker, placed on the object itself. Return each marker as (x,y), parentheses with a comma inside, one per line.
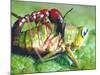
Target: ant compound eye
(84,32)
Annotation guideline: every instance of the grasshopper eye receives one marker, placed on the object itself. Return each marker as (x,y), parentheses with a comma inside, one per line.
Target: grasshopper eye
(84,32)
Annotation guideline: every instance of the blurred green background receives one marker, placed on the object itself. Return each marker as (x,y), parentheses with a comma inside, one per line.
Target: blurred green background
(81,15)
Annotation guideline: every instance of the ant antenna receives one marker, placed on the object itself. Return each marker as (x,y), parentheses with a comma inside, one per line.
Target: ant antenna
(15,15)
(67,12)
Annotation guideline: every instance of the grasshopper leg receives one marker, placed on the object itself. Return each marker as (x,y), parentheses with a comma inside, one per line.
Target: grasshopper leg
(49,56)
(71,55)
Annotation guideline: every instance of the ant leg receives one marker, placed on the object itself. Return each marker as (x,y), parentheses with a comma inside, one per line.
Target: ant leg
(48,27)
(48,42)
(39,34)
(31,32)
(48,33)
(53,47)
(71,55)
(58,37)
(53,43)
(31,36)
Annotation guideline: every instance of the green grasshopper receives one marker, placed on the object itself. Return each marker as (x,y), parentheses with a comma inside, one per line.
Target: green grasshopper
(74,38)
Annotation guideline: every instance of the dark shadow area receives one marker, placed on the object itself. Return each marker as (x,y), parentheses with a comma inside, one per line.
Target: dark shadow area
(23,52)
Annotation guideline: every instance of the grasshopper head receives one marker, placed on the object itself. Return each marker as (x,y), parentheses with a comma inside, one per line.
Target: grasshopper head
(80,37)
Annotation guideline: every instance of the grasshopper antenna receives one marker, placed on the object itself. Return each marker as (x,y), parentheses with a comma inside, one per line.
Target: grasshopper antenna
(67,12)
(15,15)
